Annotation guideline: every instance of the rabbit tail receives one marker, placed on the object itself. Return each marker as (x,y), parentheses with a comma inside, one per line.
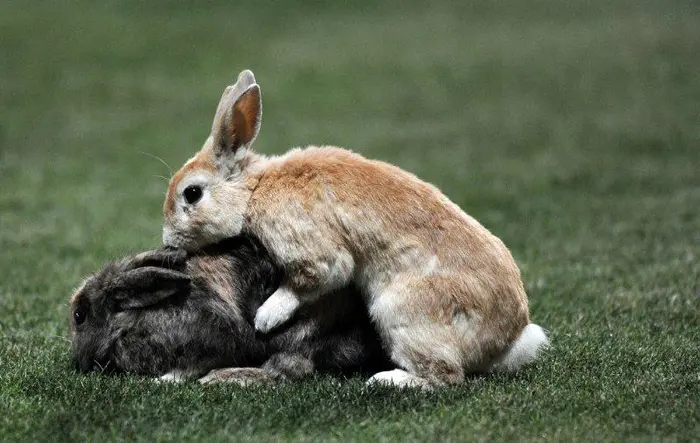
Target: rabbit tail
(524,350)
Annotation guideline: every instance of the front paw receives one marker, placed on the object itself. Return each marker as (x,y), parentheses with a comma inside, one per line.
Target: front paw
(240,376)
(174,376)
(277,310)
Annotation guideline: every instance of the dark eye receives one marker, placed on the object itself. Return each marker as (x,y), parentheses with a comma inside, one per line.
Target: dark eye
(79,316)
(192,194)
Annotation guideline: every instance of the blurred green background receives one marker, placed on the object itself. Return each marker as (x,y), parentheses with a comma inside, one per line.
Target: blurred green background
(571,129)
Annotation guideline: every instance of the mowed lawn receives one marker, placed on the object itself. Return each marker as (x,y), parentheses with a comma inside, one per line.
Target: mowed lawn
(570,129)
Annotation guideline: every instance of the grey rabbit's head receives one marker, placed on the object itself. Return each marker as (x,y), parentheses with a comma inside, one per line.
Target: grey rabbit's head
(163,310)
(123,289)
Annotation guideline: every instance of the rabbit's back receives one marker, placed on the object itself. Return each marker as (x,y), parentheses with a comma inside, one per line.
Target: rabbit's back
(333,197)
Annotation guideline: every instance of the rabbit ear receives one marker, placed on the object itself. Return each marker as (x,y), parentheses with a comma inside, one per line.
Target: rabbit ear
(162,258)
(245,80)
(238,116)
(145,286)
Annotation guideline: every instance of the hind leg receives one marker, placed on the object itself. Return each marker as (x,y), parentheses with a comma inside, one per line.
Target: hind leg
(426,325)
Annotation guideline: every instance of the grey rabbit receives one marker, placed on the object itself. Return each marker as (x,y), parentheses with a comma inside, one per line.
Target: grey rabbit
(170,314)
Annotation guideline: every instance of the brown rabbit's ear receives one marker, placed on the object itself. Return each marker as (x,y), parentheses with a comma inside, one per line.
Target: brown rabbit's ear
(146,286)
(238,116)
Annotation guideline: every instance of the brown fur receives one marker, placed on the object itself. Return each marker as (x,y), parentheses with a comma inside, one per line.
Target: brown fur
(199,163)
(479,275)
(445,292)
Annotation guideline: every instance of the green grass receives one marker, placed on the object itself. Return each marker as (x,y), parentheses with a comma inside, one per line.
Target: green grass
(570,129)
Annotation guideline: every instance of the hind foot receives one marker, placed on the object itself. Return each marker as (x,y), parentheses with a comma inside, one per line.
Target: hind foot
(240,376)
(398,378)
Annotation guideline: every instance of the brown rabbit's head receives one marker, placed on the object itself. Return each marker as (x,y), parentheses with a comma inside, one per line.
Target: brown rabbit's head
(208,197)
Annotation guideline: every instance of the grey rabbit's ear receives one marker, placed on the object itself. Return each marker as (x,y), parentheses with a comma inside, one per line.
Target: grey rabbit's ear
(145,286)
(161,258)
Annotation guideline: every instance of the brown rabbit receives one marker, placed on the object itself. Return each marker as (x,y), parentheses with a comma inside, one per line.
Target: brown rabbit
(444,292)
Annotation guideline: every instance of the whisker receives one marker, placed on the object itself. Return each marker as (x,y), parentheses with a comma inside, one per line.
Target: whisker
(160,176)
(102,368)
(160,160)
(60,337)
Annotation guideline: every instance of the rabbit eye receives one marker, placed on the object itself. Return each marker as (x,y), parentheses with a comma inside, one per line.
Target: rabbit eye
(79,316)
(192,194)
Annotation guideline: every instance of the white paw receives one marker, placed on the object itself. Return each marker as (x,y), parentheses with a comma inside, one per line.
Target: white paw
(398,378)
(276,310)
(174,376)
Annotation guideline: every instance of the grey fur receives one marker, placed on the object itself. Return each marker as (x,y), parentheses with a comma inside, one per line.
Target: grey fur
(163,311)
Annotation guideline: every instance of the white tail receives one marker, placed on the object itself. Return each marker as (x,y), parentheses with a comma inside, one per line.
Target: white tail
(532,340)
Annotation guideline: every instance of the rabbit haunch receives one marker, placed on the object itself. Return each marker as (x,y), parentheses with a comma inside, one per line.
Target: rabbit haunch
(445,293)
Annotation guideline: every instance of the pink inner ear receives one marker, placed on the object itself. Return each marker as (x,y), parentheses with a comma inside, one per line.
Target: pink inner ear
(246,112)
